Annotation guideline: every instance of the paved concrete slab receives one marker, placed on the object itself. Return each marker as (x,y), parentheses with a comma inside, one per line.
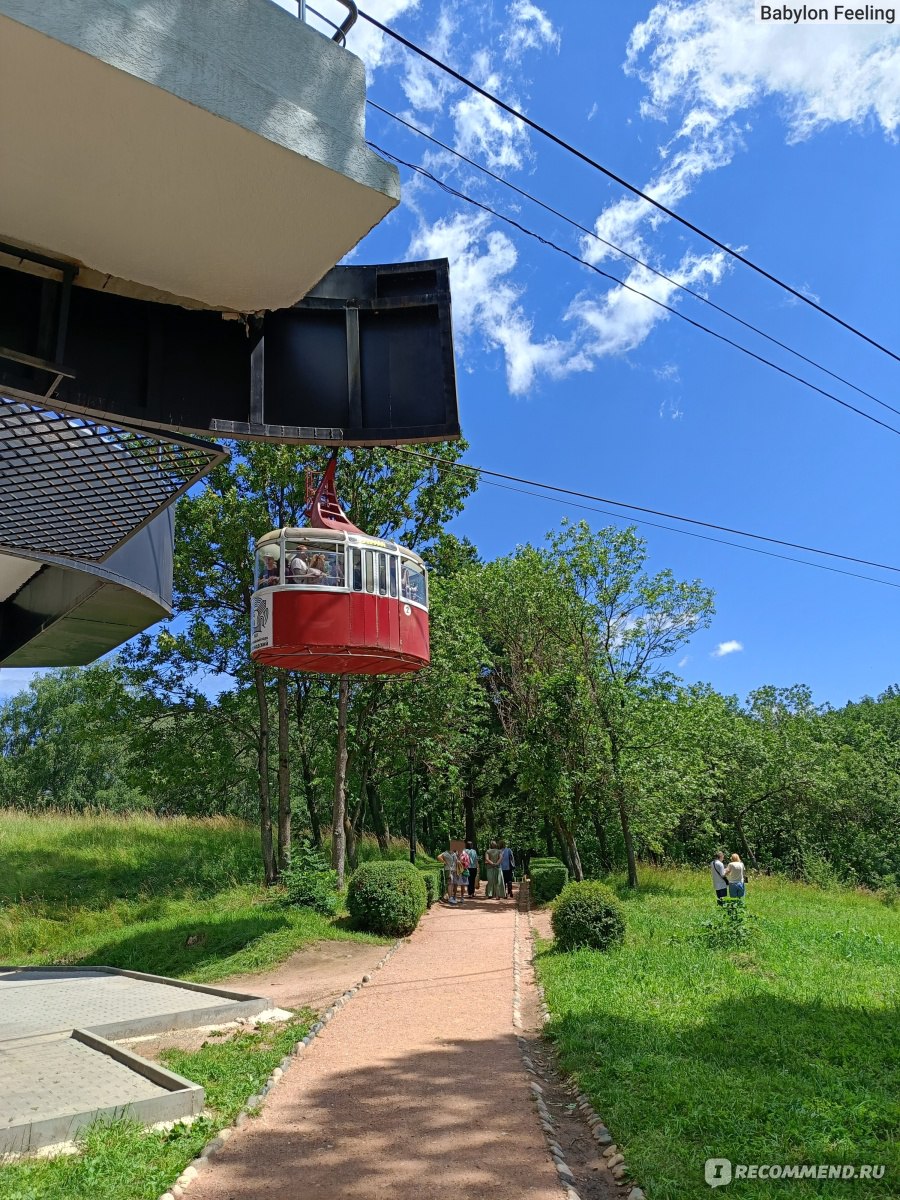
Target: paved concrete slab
(53,1085)
(57,1070)
(112,1003)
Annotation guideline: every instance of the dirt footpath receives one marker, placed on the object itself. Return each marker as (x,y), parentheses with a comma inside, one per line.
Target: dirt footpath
(311,978)
(416,1088)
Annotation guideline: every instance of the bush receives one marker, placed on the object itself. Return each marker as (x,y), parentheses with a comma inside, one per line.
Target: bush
(587,914)
(387,897)
(548,878)
(309,882)
(434,882)
(731,927)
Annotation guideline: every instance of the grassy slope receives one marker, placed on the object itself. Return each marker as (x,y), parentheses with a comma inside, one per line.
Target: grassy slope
(784,1051)
(170,897)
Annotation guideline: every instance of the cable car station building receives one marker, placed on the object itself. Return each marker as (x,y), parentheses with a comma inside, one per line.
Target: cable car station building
(180,179)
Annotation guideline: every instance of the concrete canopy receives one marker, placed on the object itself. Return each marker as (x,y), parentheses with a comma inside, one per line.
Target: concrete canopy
(230,135)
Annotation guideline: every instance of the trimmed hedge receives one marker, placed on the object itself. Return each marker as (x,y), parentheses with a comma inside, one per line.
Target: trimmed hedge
(434,882)
(387,897)
(587,914)
(548,878)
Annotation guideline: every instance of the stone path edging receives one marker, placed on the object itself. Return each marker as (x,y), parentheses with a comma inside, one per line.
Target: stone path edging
(254,1103)
(615,1159)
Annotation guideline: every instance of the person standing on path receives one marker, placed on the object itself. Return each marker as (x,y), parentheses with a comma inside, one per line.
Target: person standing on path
(473,867)
(447,859)
(719,882)
(496,889)
(507,866)
(461,876)
(735,875)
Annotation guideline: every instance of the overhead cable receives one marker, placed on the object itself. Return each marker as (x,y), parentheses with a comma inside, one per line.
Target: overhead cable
(636,191)
(626,254)
(654,512)
(455,192)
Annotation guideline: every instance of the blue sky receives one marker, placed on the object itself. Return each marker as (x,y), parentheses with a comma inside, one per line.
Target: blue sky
(782,141)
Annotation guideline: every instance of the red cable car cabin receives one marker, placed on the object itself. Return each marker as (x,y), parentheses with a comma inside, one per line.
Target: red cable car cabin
(329,598)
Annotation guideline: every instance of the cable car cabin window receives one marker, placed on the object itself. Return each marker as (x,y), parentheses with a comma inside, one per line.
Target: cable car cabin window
(315,563)
(382,575)
(392,563)
(356,560)
(267,566)
(370,571)
(412,582)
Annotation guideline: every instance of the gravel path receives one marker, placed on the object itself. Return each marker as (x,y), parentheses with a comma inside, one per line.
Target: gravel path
(415,1089)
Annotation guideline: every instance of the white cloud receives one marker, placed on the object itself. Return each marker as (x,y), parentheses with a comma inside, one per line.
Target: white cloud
(683,662)
(485,132)
(707,63)
(724,648)
(528,28)
(487,302)
(621,319)
(711,59)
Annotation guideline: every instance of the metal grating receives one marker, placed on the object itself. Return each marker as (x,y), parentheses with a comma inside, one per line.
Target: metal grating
(79,488)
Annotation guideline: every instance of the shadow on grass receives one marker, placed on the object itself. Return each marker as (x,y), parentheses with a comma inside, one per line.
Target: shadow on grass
(188,947)
(761,1080)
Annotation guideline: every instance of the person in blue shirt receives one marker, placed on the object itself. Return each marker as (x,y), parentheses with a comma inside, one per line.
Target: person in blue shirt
(507,866)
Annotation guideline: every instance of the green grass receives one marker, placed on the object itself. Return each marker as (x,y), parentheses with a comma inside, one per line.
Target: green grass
(782,1049)
(170,897)
(124,1161)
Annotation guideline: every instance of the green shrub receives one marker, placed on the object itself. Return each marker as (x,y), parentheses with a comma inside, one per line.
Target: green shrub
(730,927)
(587,914)
(434,882)
(309,882)
(387,897)
(547,880)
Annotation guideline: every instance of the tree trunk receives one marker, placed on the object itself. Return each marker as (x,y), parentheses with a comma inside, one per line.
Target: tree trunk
(412,817)
(745,845)
(548,838)
(567,840)
(469,803)
(315,825)
(284,777)
(621,801)
(338,844)
(602,840)
(265,806)
(379,822)
(353,830)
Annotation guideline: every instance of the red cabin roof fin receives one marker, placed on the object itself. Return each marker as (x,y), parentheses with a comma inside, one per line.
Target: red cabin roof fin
(324,511)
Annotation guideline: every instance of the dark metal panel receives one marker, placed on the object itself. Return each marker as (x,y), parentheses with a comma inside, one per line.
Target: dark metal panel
(291,375)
